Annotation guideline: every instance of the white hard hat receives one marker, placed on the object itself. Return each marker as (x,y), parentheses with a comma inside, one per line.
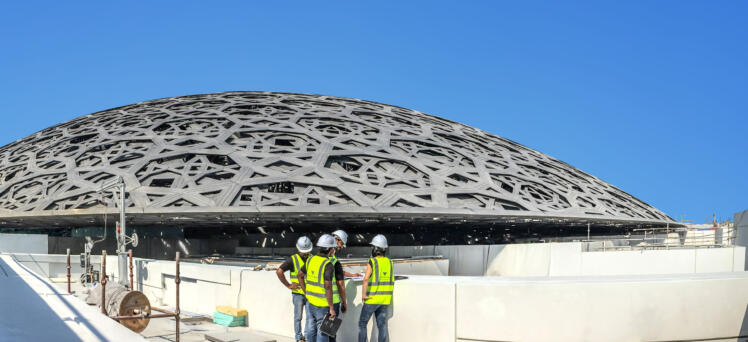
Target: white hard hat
(379,241)
(304,245)
(341,235)
(326,241)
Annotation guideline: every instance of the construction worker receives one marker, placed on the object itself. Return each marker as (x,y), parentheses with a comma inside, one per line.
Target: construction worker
(322,281)
(379,283)
(341,239)
(293,264)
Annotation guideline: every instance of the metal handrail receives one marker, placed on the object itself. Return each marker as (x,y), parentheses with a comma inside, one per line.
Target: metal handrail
(661,238)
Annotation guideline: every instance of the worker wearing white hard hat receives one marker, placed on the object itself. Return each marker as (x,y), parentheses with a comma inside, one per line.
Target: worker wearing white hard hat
(379,284)
(322,282)
(341,239)
(293,264)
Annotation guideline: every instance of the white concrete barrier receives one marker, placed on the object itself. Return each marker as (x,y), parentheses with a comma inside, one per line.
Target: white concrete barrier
(24,243)
(464,260)
(422,310)
(568,259)
(714,260)
(639,262)
(632,308)
(565,259)
(529,260)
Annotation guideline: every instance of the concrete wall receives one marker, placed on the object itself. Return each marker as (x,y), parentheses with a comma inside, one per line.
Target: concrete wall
(741,228)
(23,243)
(640,308)
(54,266)
(568,259)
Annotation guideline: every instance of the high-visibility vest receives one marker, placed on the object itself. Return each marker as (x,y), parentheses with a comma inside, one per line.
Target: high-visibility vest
(381,282)
(298,262)
(315,283)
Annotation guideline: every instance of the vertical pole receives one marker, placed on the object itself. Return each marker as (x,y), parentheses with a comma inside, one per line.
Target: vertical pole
(103,282)
(68,267)
(177,281)
(130,254)
(121,238)
(588,231)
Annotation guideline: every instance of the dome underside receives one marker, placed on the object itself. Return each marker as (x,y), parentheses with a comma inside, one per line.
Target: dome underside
(253,152)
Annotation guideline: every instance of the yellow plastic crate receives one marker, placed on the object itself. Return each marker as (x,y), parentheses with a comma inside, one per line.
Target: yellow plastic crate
(230,310)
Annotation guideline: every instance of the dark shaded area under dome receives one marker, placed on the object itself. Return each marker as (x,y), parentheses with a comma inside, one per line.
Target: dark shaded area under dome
(284,233)
(281,231)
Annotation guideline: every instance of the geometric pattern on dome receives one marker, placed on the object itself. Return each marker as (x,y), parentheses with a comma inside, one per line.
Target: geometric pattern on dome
(304,152)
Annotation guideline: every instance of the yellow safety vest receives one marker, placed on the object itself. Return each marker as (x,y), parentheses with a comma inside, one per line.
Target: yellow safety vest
(315,283)
(380,289)
(298,262)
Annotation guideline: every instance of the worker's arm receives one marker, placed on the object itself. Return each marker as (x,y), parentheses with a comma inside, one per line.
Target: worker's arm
(300,276)
(282,277)
(341,291)
(340,282)
(351,275)
(366,283)
(328,295)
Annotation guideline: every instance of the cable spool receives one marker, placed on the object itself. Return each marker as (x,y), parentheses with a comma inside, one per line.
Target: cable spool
(122,302)
(135,303)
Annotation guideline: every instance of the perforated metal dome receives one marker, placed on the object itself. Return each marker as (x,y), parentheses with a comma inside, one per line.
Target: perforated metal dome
(248,155)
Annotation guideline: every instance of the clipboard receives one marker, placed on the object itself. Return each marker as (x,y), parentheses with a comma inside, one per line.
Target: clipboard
(330,327)
(361,278)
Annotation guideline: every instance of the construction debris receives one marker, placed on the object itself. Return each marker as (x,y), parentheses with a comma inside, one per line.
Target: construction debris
(229,320)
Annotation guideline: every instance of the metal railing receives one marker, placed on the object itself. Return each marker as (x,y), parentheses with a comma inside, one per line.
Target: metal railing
(666,238)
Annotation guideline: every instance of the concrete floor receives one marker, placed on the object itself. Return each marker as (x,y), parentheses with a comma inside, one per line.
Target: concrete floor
(194,329)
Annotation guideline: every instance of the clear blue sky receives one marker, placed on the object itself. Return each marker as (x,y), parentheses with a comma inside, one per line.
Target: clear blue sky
(650,96)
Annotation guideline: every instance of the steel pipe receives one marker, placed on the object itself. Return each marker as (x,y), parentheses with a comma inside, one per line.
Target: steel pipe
(103,282)
(141,316)
(130,255)
(177,281)
(163,311)
(68,267)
